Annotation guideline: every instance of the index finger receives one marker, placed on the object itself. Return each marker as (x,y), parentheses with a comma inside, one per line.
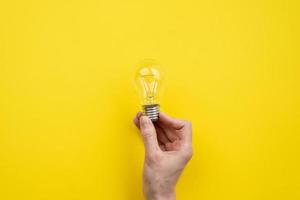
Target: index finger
(169,121)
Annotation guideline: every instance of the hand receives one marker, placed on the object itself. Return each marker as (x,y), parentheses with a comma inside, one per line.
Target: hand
(168,148)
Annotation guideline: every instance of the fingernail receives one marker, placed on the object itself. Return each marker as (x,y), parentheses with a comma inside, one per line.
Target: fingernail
(139,114)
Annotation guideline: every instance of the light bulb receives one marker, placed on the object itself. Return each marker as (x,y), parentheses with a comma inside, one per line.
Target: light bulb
(148,84)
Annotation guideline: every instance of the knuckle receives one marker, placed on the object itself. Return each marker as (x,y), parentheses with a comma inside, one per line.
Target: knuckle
(184,123)
(188,154)
(147,133)
(154,158)
(191,153)
(188,123)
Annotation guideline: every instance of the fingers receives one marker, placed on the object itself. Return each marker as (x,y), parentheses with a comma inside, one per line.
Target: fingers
(149,135)
(173,146)
(187,132)
(169,121)
(161,135)
(137,118)
(183,128)
(170,133)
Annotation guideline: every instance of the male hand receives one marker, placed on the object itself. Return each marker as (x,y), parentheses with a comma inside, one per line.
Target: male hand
(168,148)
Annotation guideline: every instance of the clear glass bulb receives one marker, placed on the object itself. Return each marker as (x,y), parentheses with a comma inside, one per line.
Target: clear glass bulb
(148,84)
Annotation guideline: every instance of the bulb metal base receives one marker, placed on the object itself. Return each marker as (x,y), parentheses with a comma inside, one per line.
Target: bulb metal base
(151,111)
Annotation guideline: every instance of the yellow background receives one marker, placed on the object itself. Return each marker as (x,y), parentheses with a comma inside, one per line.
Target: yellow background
(67,98)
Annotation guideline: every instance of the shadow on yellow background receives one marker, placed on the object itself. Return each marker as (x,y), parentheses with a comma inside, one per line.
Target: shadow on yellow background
(67,98)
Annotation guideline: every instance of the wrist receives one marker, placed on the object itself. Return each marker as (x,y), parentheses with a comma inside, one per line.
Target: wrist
(160,195)
(170,196)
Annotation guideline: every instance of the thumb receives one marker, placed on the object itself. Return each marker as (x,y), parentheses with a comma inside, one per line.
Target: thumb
(149,135)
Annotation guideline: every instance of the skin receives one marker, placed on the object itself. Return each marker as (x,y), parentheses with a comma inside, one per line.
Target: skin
(168,148)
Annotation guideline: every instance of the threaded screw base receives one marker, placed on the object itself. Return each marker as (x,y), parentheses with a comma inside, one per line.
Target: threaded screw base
(151,111)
